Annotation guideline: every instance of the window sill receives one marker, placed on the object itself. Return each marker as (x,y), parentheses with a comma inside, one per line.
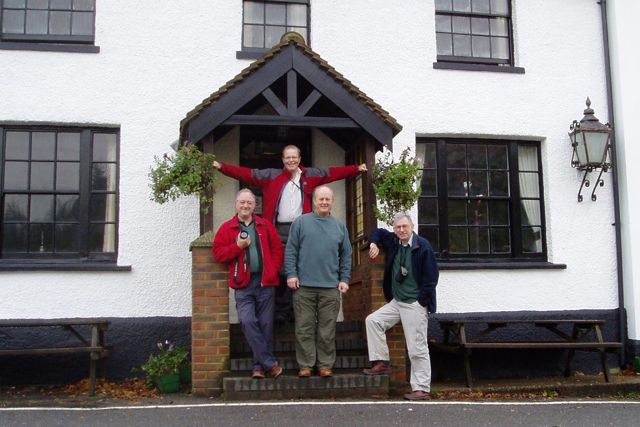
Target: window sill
(23,265)
(477,67)
(519,265)
(244,54)
(50,47)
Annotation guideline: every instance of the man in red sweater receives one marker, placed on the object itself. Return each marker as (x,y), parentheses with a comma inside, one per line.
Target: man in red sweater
(287,194)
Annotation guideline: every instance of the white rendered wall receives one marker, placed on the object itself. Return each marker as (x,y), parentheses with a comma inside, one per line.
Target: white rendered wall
(626,89)
(159,59)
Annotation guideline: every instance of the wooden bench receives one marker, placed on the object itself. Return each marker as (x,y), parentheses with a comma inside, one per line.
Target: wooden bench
(586,335)
(94,344)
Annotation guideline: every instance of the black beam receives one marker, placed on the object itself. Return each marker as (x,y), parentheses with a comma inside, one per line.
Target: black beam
(320,122)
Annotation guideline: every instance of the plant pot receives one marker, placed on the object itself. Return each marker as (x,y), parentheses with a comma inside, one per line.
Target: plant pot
(185,374)
(168,383)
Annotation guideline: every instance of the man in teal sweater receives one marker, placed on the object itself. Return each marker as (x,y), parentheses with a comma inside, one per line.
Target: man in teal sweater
(318,269)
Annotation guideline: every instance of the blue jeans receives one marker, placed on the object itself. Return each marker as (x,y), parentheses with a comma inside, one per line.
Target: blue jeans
(255,305)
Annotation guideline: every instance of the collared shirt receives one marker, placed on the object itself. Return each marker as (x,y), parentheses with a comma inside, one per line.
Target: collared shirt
(290,206)
(253,251)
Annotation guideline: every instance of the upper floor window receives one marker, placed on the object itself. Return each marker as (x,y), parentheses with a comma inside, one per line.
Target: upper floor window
(264,23)
(474,31)
(59,193)
(482,200)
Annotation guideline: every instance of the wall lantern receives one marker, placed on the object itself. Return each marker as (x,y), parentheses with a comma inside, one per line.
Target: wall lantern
(590,140)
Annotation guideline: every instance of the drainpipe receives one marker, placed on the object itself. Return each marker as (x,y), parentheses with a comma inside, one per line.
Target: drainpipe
(622,317)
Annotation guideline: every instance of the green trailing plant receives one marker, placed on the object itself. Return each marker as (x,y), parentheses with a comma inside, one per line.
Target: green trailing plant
(187,172)
(167,362)
(396,185)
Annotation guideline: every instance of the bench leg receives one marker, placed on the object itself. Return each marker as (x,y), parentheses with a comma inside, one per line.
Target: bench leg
(467,367)
(603,353)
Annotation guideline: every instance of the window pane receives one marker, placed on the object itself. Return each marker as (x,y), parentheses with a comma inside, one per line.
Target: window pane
(37,4)
(497,157)
(462,5)
(431,234)
(500,47)
(458,240)
(500,7)
(531,241)
(60,4)
(499,213)
(443,23)
(461,24)
(16,146)
(15,207)
(457,212)
(445,44)
(41,238)
(253,36)
(103,176)
(527,158)
(480,26)
(14,238)
(16,176)
(13,21)
(457,183)
(83,4)
(68,208)
(477,156)
(68,146)
(481,47)
(480,6)
(429,183)
(461,45)
(477,185)
(82,24)
(60,23)
(426,155)
(41,208)
(43,146)
(478,240)
(529,184)
(273,35)
(103,207)
(253,12)
(500,240)
(297,15)
(37,21)
(498,183)
(275,14)
(456,156)
(15,4)
(102,238)
(477,211)
(104,147)
(427,211)
(443,4)
(499,27)
(42,176)
(68,176)
(66,238)
(530,212)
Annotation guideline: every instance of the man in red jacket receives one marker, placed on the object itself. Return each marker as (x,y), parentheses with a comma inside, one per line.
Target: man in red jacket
(252,248)
(287,194)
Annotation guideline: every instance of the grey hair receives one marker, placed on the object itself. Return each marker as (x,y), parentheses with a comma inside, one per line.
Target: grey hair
(315,192)
(402,215)
(292,147)
(246,190)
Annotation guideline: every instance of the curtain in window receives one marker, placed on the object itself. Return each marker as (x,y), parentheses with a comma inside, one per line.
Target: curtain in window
(531,218)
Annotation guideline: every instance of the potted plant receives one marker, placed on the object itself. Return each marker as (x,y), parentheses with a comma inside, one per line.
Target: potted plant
(187,172)
(395,185)
(163,369)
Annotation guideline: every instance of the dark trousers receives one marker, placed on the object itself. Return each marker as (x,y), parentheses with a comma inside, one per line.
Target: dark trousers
(255,305)
(284,301)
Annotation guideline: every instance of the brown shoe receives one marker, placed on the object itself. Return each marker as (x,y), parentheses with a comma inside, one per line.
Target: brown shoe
(276,370)
(378,368)
(304,373)
(326,373)
(257,373)
(418,395)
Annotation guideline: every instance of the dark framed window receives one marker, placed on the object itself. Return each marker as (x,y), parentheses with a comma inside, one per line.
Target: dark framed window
(59,193)
(482,199)
(264,23)
(48,21)
(474,31)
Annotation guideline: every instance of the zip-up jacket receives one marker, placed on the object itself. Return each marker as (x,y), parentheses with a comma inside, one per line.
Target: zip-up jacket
(423,264)
(272,182)
(226,250)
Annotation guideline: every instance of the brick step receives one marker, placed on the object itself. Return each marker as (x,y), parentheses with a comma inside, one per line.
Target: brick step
(289,386)
(284,344)
(355,361)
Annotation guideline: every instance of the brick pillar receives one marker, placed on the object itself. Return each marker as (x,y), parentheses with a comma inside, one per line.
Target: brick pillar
(210,347)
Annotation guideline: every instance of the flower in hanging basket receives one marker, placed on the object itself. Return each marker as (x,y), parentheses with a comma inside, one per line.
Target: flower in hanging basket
(395,185)
(187,172)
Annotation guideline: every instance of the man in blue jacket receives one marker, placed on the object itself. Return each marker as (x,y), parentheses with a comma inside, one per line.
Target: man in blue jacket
(409,284)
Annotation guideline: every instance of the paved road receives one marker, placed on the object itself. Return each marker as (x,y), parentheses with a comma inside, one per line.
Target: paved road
(553,413)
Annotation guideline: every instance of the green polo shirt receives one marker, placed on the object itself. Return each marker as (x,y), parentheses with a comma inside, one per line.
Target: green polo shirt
(255,260)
